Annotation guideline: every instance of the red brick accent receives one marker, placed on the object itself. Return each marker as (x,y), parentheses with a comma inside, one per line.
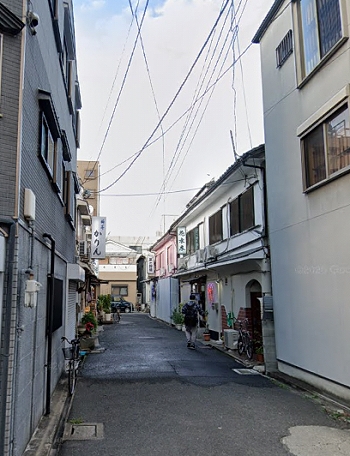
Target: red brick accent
(244,313)
(224,318)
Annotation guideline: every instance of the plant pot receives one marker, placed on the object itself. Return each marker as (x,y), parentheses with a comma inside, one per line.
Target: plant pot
(259,357)
(206,337)
(179,327)
(108,317)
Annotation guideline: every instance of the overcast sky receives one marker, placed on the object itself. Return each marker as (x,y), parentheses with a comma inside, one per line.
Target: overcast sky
(158,115)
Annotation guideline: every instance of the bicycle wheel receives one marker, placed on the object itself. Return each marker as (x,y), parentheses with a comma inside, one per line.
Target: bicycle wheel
(240,345)
(72,376)
(250,349)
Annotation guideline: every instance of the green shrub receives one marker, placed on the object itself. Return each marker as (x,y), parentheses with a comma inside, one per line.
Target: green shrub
(89,317)
(177,316)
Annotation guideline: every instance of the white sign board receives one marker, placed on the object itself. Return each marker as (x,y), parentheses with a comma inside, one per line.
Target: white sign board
(181,240)
(150,265)
(98,238)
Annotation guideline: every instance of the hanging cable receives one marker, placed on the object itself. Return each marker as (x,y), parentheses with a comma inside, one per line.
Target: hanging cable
(173,100)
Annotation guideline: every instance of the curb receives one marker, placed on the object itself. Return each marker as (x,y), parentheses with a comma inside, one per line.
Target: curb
(47,432)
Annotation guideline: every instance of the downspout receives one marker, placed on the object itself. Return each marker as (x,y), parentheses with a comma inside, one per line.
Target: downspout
(7,324)
(49,322)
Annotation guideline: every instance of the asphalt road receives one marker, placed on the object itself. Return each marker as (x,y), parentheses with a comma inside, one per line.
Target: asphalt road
(149,395)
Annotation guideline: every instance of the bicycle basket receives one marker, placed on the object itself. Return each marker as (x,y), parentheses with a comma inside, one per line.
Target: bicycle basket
(67,353)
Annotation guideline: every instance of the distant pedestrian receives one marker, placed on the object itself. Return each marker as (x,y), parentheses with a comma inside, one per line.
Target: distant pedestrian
(191,310)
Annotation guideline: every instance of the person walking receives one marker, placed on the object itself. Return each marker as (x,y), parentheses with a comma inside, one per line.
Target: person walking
(191,310)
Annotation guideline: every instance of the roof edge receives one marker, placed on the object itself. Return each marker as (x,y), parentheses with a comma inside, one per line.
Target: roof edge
(267,21)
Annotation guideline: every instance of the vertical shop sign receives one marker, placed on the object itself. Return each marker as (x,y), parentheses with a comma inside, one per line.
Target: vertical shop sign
(98,239)
(181,240)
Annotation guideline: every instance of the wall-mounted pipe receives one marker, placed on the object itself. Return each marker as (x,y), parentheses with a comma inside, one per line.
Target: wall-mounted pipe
(49,321)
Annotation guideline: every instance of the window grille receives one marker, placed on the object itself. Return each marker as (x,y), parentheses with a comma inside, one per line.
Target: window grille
(284,49)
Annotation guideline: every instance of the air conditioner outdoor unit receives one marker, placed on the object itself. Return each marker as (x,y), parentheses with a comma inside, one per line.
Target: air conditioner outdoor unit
(231,338)
(212,251)
(200,256)
(83,248)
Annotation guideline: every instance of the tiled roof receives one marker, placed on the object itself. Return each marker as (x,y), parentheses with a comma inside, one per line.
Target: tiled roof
(9,22)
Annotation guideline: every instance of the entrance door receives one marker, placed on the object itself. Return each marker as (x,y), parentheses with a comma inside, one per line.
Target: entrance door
(256,314)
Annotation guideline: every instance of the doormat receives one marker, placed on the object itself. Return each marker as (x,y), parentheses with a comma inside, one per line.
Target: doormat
(84,431)
(246,371)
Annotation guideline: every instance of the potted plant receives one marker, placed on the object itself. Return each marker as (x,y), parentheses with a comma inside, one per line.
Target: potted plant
(206,334)
(89,321)
(177,318)
(105,303)
(258,348)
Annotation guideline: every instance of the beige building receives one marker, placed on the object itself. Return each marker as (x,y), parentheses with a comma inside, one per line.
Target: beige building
(118,271)
(89,177)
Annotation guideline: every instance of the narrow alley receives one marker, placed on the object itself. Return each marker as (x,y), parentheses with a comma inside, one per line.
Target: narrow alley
(148,395)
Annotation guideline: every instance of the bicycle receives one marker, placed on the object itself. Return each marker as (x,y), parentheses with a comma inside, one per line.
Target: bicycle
(72,354)
(245,342)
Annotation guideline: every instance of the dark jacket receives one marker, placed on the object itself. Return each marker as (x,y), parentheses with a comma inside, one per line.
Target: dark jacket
(191,310)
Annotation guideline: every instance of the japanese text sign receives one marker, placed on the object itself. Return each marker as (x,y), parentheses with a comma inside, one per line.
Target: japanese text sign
(181,240)
(98,238)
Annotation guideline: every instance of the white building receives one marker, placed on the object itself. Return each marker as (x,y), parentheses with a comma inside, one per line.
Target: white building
(305,76)
(226,263)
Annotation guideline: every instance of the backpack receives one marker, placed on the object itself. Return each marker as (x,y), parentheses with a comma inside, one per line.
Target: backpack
(191,314)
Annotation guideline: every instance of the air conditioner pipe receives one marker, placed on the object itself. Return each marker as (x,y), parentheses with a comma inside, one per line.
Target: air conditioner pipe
(7,325)
(49,322)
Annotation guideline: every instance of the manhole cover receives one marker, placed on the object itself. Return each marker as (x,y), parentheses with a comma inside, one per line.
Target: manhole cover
(85,431)
(246,371)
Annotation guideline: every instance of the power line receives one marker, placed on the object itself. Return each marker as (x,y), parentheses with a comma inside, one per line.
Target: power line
(182,140)
(136,154)
(122,85)
(172,102)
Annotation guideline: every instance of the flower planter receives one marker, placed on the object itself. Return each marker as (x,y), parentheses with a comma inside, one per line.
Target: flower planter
(206,337)
(259,357)
(178,327)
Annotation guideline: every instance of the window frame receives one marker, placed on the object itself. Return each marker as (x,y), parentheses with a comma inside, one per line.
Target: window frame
(48,151)
(117,286)
(216,227)
(193,241)
(238,217)
(302,75)
(323,121)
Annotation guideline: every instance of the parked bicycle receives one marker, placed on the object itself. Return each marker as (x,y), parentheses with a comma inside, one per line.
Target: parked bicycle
(245,341)
(73,355)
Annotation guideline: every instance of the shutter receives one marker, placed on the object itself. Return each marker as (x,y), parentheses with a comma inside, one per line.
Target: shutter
(71,310)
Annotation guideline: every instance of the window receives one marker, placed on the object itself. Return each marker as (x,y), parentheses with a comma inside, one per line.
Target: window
(58,299)
(284,49)
(326,148)
(68,199)
(215,227)
(242,212)
(49,133)
(120,290)
(321,30)
(193,240)
(47,145)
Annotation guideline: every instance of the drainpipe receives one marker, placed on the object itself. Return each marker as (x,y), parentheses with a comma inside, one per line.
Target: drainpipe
(49,322)
(7,323)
